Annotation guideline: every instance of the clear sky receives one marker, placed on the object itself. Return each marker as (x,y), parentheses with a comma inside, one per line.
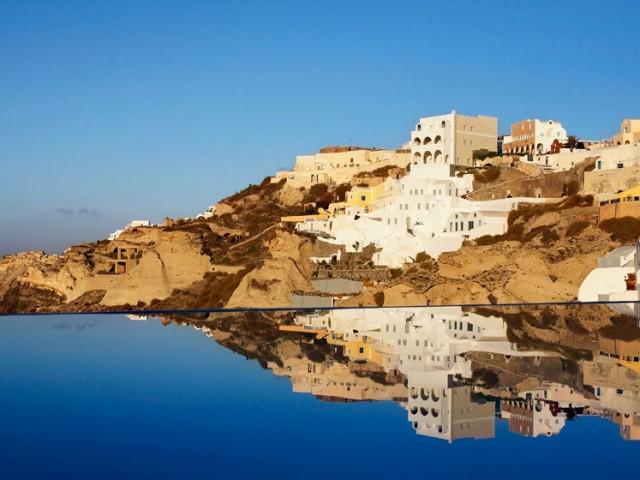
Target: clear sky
(111,111)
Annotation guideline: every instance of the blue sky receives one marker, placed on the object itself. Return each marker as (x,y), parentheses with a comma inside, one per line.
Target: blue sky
(117,110)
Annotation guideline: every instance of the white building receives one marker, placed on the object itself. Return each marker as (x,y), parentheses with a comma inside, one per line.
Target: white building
(617,157)
(131,224)
(420,212)
(452,139)
(547,131)
(607,282)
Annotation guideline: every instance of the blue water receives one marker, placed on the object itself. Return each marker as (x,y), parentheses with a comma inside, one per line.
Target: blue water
(104,397)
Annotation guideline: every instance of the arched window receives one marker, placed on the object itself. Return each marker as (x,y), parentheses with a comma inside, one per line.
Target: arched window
(427,157)
(424,394)
(426,141)
(437,156)
(437,140)
(416,158)
(416,141)
(434,395)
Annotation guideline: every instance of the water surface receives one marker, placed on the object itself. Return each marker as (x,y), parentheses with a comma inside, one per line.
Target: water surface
(319,394)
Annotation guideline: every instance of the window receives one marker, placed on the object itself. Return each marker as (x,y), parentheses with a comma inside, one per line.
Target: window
(469,327)
(471,225)
(363,198)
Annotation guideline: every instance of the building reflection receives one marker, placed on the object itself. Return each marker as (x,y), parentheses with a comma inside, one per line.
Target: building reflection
(454,370)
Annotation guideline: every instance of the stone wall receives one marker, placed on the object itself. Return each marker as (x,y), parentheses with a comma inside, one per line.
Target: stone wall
(602,182)
(617,210)
(549,185)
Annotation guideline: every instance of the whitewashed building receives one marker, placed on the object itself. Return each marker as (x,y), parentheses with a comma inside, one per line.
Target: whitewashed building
(428,346)
(421,212)
(453,138)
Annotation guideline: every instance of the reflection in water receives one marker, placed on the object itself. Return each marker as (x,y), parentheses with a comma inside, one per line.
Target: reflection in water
(455,370)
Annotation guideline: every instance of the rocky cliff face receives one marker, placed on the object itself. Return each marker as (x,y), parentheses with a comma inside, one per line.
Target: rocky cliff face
(244,257)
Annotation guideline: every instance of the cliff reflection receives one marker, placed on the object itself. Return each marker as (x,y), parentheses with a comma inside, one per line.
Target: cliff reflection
(454,370)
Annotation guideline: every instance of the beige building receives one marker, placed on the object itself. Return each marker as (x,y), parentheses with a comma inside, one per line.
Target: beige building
(335,165)
(617,169)
(440,409)
(629,132)
(453,139)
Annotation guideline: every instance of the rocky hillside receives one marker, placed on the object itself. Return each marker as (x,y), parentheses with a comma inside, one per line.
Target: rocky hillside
(544,257)
(244,257)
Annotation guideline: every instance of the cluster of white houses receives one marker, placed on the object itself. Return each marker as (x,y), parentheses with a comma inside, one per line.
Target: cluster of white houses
(412,199)
(421,209)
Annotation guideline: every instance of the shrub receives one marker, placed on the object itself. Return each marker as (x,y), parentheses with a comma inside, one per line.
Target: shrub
(378,297)
(623,327)
(577,201)
(488,240)
(623,230)
(378,172)
(489,174)
(573,187)
(485,377)
(549,235)
(422,257)
(574,325)
(576,228)
(396,272)
(340,192)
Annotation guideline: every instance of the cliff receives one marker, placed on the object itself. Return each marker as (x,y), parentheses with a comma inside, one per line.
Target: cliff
(244,257)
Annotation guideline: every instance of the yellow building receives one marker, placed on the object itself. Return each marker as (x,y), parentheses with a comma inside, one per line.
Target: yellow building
(362,350)
(364,197)
(631,195)
(629,132)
